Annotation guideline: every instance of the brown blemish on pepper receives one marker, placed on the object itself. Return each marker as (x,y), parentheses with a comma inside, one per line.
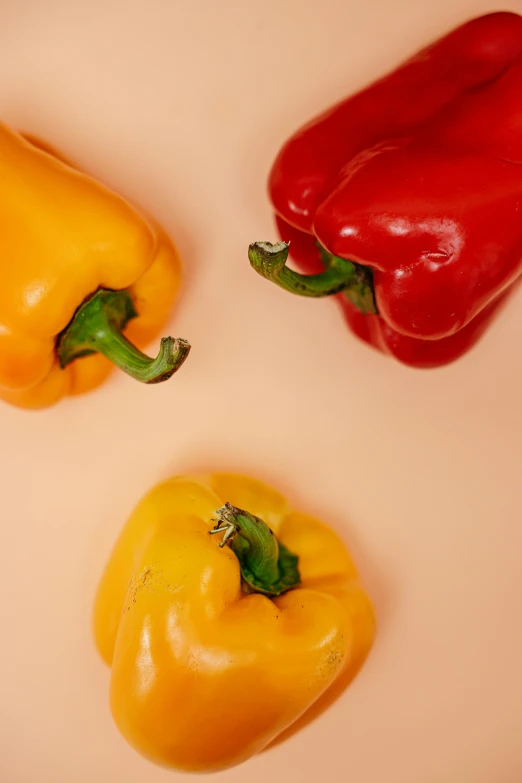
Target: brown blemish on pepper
(150,580)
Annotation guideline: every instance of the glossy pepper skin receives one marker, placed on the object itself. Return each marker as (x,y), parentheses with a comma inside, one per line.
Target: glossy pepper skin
(63,238)
(205,675)
(416,179)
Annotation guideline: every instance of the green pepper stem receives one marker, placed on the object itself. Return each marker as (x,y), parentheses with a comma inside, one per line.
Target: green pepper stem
(340,276)
(267,566)
(96,328)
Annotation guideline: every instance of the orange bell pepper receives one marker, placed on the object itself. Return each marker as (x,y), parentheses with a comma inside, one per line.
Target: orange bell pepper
(223,644)
(78,266)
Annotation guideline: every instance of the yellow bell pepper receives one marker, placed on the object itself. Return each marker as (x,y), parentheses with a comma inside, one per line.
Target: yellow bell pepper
(221,644)
(78,265)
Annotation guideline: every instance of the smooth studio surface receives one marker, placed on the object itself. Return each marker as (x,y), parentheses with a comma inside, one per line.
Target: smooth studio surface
(181,107)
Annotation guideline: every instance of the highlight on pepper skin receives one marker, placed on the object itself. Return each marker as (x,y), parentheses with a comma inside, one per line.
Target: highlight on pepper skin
(228,619)
(402,200)
(86,281)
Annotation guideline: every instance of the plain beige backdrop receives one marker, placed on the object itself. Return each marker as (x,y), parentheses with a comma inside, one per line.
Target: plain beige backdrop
(181,105)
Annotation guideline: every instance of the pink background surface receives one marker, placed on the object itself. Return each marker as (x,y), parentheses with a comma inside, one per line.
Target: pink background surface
(181,106)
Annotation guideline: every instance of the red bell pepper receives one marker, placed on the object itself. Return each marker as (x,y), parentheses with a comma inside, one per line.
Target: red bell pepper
(406,199)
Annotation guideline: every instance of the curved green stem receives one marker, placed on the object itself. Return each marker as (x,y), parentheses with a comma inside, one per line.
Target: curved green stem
(340,276)
(267,566)
(96,328)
